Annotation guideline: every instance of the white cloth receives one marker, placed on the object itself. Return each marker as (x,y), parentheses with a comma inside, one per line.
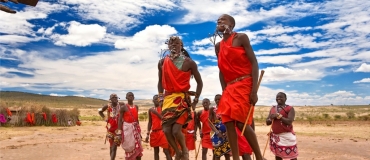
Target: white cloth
(128,138)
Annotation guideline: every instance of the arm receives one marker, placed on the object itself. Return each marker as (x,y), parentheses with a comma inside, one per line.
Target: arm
(122,111)
(221,76)
(137,108)
(197,77)
(102,110)
(160,87)
(252,58)
(290,119)
(268,119)
(149,122)
(195,126)
(198,124)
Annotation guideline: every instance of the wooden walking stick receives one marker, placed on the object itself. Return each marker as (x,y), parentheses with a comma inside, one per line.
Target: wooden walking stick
(196,154)
(250,110)
(268,138)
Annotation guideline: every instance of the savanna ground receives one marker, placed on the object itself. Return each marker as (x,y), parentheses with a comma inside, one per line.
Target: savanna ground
(327,132)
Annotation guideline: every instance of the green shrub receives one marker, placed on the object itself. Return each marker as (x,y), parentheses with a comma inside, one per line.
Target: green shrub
(326,116)
(350,115)
(336,117)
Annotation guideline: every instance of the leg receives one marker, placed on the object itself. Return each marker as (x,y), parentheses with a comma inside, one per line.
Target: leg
(113,152)
(171,139)
(156,153)
(204,153)
(278,158)
(138,158)
(252,139)
(246,157)
(177,133)
(227,156)
(233,139)
(167,153)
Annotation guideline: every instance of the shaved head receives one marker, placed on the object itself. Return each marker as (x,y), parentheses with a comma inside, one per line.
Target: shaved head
(231,19)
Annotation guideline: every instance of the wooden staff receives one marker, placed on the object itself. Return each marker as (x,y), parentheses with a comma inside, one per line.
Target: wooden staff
(250,110)
(268,138)
(196,154)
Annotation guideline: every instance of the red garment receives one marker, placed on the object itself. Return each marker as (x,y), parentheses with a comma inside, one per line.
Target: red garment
(8,111)
(131,115)
(190,142)
(157,137)
(278,126)
(44,115)
(206,129)
(234,63)
(113,121)
(78,123)
(54,118)
(173,79)
(244,147)
(28,118)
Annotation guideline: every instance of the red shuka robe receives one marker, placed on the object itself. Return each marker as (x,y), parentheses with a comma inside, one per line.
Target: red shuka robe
(234,63)
(190,144)
(157,137)
(206,130)
(173,79)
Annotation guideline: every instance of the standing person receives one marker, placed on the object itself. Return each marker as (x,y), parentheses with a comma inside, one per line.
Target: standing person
(174,73)
(219,139)
(129,132)
(191,132)
(283,141)
(157,137)
(204,127)
(112,108)
(238,76)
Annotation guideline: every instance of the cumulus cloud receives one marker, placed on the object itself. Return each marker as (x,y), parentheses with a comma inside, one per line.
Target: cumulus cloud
(119,14)
(80,34)
(365,80)
(363,68)
(131,69)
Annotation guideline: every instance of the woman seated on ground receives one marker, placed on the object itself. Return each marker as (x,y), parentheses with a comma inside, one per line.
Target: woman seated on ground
(283,142)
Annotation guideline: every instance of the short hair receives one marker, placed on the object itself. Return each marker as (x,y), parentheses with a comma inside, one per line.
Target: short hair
(283,94)
(155,95)
(206,99)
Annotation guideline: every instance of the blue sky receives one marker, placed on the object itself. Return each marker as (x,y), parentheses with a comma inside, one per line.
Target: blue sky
(318,52)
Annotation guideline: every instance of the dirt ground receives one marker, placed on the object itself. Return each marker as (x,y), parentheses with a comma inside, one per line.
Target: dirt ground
(339,140)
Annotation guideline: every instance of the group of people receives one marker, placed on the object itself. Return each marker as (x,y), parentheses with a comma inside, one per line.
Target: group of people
(173,121)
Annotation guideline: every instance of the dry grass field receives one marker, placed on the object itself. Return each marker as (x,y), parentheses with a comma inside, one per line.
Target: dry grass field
(323,133)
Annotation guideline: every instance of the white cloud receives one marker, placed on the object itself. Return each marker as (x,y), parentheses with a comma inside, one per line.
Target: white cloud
(120,14)
(80,34)
(283,59)
(199,11)
(340,94)
(365,80)
(13,39)
(101,73)
(57,95)
(277,51)
(363,68)
(281,74)
(19,23)
(153,36)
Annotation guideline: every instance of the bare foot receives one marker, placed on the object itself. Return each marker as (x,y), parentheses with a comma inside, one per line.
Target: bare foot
(178,156)
(185,155)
